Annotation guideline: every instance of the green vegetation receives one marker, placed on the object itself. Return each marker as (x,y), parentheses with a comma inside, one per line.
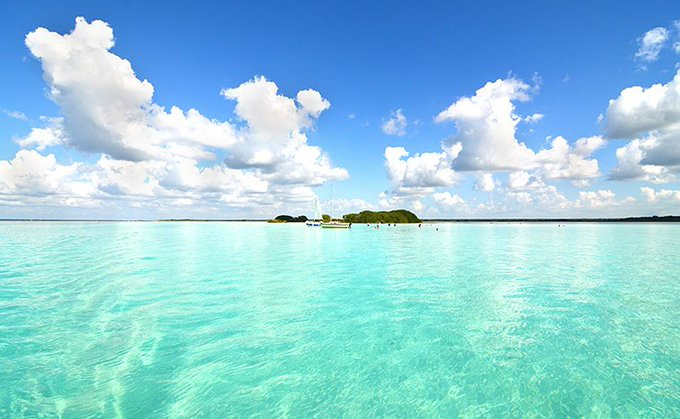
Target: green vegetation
(288,219)
(373,217)
(366,217)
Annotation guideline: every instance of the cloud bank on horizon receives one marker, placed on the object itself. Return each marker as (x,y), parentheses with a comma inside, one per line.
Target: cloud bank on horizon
(128,153)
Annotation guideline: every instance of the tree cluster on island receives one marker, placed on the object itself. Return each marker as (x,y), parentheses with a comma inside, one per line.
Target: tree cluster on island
(400,216)
(288,219)
(364,217)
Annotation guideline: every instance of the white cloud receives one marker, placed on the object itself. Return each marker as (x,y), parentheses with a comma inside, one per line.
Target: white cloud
(149,155)
(273,139)
(421,171)
(548,202)
(41,138)
(15,115)
(33,178)
(650,117)
(412,201)
(564,162)
(486,125)
(630,163)
(485,142)
(338,207)
(596,199)
(543,198)
(601,199)
(662,195)
(485,182)
(651,43)
(522,180)
(312,103)
(448,201)
(637,110)
(548,199)
(106,108)
(396,125)
(581,183)
(486,129)
(532,119)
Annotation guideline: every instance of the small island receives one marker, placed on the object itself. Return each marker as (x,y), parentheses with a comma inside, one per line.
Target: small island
(288,219)
(400,216)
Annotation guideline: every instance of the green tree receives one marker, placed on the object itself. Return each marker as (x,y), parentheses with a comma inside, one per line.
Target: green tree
(373,217)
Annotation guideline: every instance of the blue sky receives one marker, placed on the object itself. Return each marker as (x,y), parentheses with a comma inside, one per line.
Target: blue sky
(562,61)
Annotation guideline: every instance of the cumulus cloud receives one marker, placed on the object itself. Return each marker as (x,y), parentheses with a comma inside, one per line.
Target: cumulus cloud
(411,200)
(485,182)
(448,201)
(540,197)
(106,108)
(485,142)
(523,180)
(563,161)
(637,110)
(650,118)
(274,139)
(148,153)
(600,199)
(630,167)
(396,124)
(662,195)
(651,43)
(486,124)
(345,206)
(415,174)
(596,199)
(41,138)
(29,172)
(534,118)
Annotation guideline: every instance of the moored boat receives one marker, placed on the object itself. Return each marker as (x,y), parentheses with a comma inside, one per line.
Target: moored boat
(316,220)
(335,224)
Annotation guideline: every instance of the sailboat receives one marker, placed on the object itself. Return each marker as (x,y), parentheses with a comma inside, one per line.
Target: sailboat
(334,224)
(316,220)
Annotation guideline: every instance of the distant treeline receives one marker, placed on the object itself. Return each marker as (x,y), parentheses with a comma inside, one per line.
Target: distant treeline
(373,217)
(652,219)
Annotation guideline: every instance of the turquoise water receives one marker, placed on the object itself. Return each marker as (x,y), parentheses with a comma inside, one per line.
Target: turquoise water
(238,319)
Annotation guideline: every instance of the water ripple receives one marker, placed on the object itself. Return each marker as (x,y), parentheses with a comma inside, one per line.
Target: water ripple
(249,319)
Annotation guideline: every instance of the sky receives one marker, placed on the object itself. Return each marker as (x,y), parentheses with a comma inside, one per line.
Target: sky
(147,110)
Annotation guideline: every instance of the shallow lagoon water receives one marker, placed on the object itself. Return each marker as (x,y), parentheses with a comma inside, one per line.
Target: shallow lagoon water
(217,319)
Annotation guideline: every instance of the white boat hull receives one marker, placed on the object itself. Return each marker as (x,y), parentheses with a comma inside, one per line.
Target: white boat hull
(335,224)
